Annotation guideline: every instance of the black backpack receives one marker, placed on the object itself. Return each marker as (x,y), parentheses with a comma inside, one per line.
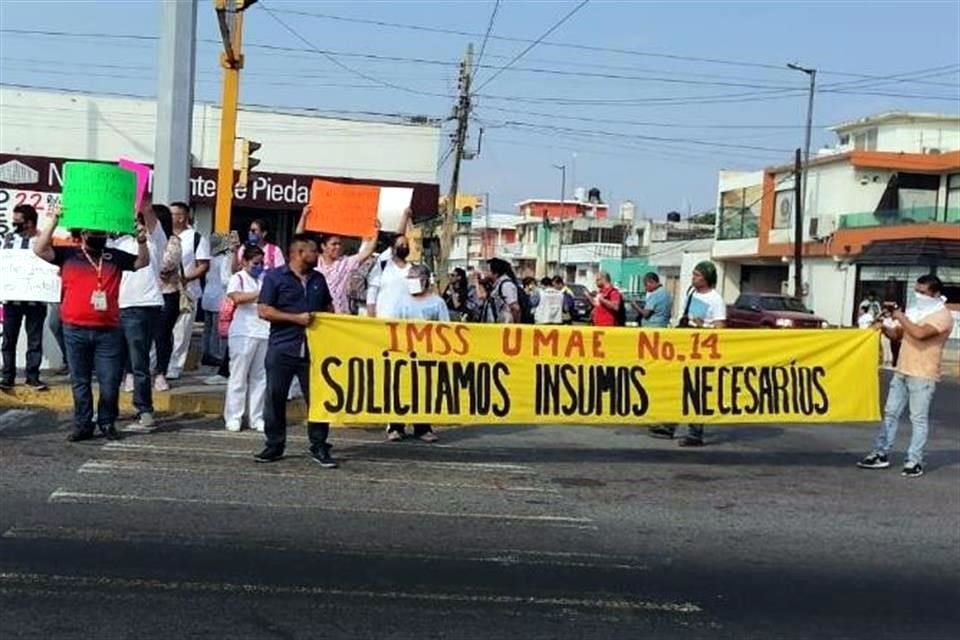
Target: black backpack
(523,301)
(622,312)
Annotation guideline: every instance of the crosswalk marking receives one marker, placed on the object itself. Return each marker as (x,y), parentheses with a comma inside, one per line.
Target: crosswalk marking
(62,495)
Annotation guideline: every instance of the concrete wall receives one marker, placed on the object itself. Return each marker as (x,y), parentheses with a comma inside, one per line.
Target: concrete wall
(101,127)
(914,137)
(830,287)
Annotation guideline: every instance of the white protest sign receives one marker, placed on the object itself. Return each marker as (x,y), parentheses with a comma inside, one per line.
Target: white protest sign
(393,202)
(26,278)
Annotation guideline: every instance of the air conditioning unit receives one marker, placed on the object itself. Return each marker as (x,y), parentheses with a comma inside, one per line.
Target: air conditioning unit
(820,227)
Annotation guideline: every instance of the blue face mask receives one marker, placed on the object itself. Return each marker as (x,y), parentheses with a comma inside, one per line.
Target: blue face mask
(255,270)
(253,237)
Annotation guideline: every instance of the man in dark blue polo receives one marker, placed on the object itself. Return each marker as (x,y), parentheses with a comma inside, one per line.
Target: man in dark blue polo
(289,298)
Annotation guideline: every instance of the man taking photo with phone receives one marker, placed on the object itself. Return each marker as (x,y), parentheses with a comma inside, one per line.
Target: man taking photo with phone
(924,329)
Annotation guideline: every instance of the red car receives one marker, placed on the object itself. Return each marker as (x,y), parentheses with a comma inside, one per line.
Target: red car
(771,311)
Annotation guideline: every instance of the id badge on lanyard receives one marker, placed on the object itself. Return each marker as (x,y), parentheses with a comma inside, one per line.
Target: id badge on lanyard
(98,299)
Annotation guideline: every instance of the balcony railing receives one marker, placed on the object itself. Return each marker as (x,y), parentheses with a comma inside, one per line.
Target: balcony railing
(918,215)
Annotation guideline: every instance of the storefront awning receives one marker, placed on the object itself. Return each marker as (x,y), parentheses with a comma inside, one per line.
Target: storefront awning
(927,252)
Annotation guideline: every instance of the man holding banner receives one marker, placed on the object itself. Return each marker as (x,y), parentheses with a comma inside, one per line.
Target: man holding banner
(290,296)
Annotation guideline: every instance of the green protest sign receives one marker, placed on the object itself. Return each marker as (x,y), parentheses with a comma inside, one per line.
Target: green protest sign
(98,196)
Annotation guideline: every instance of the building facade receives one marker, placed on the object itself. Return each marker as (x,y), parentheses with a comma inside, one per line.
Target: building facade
(880,209)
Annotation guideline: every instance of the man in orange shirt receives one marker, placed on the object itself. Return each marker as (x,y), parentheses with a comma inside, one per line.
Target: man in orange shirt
(607,303)
(924,329)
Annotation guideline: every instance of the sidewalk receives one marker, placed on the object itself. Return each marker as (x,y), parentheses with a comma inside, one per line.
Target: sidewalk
(187,395)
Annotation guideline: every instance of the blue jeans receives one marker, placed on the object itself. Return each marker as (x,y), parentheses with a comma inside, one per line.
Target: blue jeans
(140,328)
(90,350)
(917,393)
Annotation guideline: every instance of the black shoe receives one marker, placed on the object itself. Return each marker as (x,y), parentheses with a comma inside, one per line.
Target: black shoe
(6,385)
(79,436)
(110,433)
(690,441)
(912,471)
(661,431)
(62,371)
(38,385)
(874,461)
(269,454)
(323,458)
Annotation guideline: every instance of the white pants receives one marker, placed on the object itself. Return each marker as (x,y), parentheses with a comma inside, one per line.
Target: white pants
(182,334)
(248,378)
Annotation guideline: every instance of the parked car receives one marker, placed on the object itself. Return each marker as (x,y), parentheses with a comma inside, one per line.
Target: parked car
(773,311)
(582,305)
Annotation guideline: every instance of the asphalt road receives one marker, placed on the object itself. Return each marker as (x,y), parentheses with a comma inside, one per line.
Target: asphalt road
(499,532)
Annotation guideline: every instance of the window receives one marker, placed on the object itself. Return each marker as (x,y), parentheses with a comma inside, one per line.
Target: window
(866,140)
(952,208)
(783,304)
(783,209)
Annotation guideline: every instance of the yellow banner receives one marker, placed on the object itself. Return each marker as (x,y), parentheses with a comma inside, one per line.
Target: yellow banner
(378,371)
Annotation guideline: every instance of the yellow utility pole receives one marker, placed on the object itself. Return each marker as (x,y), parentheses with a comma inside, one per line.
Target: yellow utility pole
(230,19)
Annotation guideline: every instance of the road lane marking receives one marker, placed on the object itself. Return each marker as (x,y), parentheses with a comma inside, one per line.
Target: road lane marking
(111,466)
(224,453)
(500,557)
(100,582)
(62,495)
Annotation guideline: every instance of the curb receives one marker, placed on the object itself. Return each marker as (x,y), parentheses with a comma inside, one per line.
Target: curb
(208,402)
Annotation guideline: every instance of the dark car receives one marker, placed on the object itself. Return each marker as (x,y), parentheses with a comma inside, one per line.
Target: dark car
(582,305)
(634,305)
(773,311)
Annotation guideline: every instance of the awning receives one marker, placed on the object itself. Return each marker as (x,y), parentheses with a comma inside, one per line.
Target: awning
(927,252)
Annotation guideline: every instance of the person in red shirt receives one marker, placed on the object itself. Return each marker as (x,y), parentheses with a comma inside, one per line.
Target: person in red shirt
(90,311)
(607,303)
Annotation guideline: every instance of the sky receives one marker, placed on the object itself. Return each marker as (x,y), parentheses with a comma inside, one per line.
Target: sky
(646,101)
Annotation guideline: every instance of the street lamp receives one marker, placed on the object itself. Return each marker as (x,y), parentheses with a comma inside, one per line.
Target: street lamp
(812,73)
(563,192)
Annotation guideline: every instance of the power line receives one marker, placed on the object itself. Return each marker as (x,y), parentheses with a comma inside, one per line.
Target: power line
(333,60)
(533,44)
(486,36)
(668,125)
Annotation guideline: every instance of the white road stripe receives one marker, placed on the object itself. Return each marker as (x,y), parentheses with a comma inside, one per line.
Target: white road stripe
(113,466)
(501,557)
(100,582)
(226,453)
(79,497)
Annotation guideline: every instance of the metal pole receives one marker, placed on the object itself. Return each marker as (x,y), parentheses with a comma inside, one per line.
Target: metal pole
(563,195)
(177,60)
(459,140)
(231,61)
(798,227)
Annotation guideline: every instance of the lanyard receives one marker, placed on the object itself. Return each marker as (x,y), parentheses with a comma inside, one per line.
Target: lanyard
(98,267)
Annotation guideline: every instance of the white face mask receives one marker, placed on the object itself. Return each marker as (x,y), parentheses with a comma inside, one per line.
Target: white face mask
(414,286)
(922,301)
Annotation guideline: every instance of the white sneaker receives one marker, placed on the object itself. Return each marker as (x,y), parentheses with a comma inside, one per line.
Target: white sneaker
(258,426)
(146,420)
(128,383)
(173,375)
(215,380)
(233,426)
(429,436)
(160,384)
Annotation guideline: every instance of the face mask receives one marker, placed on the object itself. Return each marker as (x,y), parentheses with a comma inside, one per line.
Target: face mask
(96,243)
(256,270)
(18,227)
(414,286)
(925,302)
(253,237)
(402,252)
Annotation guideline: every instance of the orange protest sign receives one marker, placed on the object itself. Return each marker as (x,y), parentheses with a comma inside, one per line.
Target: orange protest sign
(344,209)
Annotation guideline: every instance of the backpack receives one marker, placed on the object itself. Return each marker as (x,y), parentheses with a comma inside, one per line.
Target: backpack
(621,313)
(523,301)
(358,282)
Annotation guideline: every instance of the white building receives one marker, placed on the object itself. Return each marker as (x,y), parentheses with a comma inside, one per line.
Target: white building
(880,208)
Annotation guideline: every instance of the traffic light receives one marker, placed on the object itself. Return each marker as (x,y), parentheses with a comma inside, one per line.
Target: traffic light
(247,161)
